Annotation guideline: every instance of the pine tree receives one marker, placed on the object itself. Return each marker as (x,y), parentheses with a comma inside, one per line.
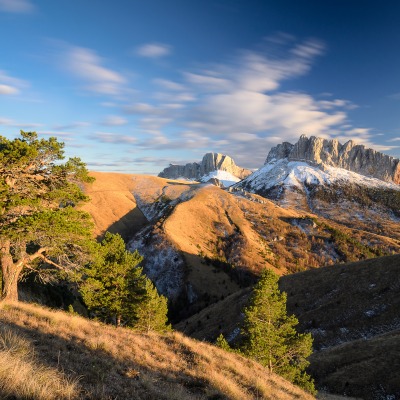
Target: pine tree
(114,283)
(270,337)
(222,343)
(39,225)
(151,313)
(115,288)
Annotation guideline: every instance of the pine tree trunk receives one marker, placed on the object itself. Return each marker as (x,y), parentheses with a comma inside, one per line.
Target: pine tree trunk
(10,274)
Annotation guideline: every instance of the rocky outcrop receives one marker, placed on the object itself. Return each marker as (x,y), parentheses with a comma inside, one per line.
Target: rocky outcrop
(210,162)
(351,156)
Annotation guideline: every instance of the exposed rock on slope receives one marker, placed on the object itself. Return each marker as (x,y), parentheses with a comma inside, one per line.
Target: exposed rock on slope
(350,156)
(210,162)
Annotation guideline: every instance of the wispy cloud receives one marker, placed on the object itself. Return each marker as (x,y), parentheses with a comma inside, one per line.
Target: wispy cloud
(89,67)
(154,50)
(10,85)
(237,107)
(15,124)
(394,96)
(71,126)
(110,137)
(114,120)
(169,85)
(17,6)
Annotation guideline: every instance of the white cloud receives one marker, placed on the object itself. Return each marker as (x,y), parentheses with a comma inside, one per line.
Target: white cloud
(169,85)
(207,82)
(16,6)
(86,65)
(7,89)
(153,50)
(21,125)
(72,125)
(141,108)
(6,121)
(115,120)
(236,107)
(10,85)
(109,137)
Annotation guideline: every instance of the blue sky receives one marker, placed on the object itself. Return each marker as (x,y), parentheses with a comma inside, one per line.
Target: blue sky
(132,85)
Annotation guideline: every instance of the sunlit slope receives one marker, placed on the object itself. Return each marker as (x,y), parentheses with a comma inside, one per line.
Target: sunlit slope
(106,362)
(114,197)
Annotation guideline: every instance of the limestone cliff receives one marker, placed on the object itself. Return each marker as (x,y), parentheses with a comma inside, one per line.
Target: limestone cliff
(350,156)
(210,162)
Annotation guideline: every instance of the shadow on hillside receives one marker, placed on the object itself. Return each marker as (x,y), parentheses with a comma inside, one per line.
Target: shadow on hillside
(127,226)
(100,375)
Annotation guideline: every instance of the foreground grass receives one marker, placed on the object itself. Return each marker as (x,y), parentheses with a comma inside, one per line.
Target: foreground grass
(75,358)
(21,377)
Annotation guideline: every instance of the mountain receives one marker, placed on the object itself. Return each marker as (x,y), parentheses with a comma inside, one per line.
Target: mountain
(213,165)
(350,156)
(330,180)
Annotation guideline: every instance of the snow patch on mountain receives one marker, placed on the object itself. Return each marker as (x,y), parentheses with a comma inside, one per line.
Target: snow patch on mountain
(298,173)
(225,177)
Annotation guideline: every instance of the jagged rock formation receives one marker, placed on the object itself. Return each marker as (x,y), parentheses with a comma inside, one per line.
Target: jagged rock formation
(210,162)
(350,156)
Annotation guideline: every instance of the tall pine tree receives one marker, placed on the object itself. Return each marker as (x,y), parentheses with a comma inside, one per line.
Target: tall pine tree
(151,313)
(113,282)
(115,288)
(270,337)
(39,224)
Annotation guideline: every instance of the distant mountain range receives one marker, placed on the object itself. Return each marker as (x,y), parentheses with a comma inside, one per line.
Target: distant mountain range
(212,166)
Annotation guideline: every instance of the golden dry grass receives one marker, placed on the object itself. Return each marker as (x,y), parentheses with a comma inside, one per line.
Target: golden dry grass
(119,363)
(22,377)
(112,200)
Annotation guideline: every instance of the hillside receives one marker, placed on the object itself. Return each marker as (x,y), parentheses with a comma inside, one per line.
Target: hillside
(202,243)
(47,355)
(351,311)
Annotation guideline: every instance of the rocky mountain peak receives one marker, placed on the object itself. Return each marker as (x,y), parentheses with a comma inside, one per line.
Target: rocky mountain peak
(350,156)
(210,162)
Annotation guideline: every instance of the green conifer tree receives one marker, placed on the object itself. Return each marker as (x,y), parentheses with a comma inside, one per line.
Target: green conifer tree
(115,288)
(152,311)
(270,337)
(114,283)
(39,225)
(223,343)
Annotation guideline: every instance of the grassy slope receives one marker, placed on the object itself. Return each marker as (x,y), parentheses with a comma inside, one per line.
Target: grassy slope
(112,204)
(220,225)
(102,362)
(348,308)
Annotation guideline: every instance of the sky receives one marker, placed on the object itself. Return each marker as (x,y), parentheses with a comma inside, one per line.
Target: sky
(131,86)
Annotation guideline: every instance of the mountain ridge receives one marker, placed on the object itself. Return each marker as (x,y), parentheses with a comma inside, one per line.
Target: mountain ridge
(350,156)
(198,171)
